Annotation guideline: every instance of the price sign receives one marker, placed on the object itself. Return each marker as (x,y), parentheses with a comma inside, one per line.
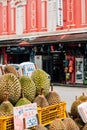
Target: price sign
(31,121)
(27,112)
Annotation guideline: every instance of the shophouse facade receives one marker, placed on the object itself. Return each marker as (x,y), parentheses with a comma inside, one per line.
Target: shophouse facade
(51,33)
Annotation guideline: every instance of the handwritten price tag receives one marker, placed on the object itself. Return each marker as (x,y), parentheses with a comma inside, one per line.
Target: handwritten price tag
(27,112)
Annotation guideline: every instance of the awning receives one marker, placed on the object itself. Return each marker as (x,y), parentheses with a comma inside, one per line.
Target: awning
(13,42)
(60,38)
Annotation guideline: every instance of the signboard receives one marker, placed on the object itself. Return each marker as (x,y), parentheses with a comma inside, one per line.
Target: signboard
(59,12)
(28,68)
(27,112)
(79,70)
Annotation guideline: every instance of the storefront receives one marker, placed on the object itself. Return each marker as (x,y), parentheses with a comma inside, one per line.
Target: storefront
(61,56)
(64,57)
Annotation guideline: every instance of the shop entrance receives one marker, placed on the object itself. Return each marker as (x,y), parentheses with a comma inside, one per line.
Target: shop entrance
(58,68)
(54,65)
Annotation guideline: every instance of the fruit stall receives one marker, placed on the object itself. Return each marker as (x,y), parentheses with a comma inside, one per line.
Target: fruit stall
(31,103)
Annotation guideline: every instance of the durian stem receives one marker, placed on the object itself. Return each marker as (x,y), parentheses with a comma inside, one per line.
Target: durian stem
(75,97)
(51,87)
(24,124)
(2,70)
(38,119)
(6,96)
(83,94)
(22,71)
(42,91)
(22,93)
(18,74)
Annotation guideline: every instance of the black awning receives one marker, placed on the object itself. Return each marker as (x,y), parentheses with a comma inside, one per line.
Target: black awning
(13,42)
(60,38)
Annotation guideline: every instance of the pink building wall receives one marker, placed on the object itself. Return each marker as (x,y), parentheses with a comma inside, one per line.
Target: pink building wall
(35,16)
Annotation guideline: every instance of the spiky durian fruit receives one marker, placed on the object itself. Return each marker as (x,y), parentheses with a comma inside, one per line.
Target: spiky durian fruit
(6,107)
(53,97)
(28,87)
(74,108)
(22,100)
(83,97)
(41,80)
(41,100)
(10,83)
(57,124)
(70,124)
(40,127)
(10,69)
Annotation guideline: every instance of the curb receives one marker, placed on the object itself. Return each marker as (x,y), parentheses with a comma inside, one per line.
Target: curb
(70,85)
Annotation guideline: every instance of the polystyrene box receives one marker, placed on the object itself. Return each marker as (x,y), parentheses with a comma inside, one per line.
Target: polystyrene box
(82,110)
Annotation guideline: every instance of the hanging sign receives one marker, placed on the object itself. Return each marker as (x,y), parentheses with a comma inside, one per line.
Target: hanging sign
(60,12)
(27,112)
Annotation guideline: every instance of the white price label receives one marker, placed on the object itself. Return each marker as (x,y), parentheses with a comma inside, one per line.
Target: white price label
(31,121)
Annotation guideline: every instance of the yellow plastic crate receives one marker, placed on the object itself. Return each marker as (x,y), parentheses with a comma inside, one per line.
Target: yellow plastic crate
(45,115)
(48,114)
(6,123)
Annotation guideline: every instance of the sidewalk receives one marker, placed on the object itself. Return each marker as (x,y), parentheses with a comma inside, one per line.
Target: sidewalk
(70,85)
(68,94)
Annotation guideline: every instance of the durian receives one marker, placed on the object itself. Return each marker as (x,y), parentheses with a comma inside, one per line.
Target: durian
(83,97)
(74,108)
(41,100)
(57,124)
(40,127)
(70,124)
(10,69)
(53,97)
(22,100)
(41,80)
(10,83)
(6,107)
(28,87)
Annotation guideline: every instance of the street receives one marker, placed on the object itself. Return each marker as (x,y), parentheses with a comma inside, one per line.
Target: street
(68,94)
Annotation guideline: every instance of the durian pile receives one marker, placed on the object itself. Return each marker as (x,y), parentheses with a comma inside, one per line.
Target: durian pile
(18,90)
(74,114)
